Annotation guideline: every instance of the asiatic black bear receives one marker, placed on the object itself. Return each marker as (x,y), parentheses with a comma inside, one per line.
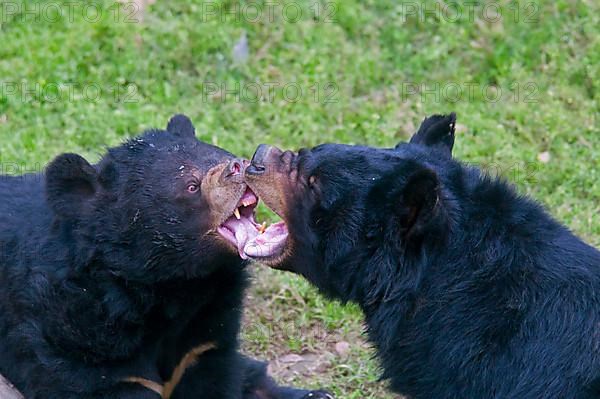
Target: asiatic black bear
(470,290)
(115,281)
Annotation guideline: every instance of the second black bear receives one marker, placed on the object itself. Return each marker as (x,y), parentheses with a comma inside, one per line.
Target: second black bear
(469,290)
(115,282)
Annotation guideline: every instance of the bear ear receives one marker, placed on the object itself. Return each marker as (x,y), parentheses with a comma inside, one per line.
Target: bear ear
(437,131)
(70,183)
(180,125)
(419,202)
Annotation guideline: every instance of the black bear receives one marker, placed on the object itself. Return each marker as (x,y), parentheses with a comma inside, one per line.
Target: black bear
(469,289)
(119,279)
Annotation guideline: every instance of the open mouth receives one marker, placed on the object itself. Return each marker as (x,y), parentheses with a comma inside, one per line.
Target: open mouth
(253,240)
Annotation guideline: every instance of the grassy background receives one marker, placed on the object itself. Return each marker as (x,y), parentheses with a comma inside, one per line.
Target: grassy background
(76,79)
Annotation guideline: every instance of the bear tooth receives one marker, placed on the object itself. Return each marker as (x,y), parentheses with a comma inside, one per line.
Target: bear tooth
(237,213)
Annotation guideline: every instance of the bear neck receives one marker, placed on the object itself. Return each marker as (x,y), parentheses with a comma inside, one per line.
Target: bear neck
(500,250)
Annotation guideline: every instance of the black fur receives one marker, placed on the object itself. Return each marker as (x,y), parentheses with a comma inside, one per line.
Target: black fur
(107,272)
(469,289)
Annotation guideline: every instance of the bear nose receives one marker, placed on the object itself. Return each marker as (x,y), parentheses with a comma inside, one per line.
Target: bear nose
(236,167)
(254,169)
(260,158)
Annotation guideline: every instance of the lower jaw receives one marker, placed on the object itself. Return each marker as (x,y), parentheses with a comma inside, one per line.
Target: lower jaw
(268,259)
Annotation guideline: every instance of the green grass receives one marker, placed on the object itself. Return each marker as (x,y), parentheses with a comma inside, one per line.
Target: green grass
(364,61)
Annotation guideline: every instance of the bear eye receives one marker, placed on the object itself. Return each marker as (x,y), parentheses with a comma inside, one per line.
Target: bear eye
(193,188)
(312,180)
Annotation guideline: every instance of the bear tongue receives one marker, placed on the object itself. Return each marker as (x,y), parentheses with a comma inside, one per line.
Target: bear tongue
(267,244)
(244,230)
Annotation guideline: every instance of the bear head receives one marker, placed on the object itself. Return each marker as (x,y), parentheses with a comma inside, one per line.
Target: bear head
(155,208)
(344,205)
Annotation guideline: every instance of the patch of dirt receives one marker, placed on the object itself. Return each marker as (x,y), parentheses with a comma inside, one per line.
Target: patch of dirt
(291,366)
(301,350)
